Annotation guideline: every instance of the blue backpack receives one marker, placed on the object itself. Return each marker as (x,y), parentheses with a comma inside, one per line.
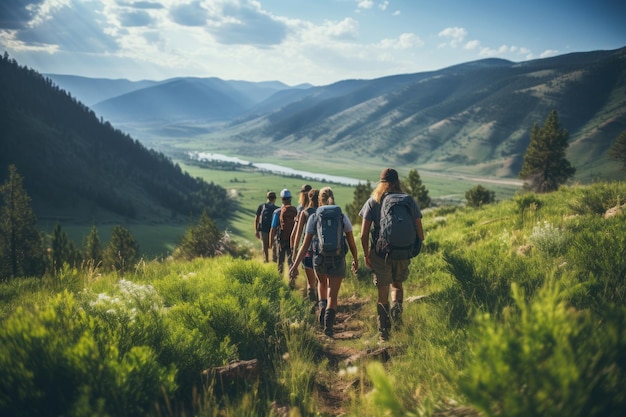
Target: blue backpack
(329,228)
(397,236)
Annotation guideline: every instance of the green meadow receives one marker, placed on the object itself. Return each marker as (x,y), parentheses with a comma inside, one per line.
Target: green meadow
(515,308)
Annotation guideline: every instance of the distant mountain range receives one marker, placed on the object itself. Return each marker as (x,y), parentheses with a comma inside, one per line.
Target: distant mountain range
(471,118)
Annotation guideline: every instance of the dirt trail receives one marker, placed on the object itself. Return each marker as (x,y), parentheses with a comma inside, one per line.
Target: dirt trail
(334,388)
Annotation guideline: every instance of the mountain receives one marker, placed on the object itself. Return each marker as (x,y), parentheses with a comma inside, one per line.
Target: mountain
(176,99)
(91,91)
(74,165)
(474,117)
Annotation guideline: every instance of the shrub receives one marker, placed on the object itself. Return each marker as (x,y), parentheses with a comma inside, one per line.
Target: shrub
(547,360)
(479,195)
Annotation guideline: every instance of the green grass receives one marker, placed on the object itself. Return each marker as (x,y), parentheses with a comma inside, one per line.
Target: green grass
(523,315)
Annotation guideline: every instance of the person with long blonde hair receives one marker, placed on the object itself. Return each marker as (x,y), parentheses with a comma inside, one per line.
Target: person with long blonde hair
(388,273)
(312,284)
(330,270)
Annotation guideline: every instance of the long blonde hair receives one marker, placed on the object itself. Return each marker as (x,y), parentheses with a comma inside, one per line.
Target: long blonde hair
(326,197)
(314,198)
(386,187)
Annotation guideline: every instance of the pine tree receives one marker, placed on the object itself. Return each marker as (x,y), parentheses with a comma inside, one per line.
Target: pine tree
(545,167)
(202,240)
(21,252)
(93,252)
(618,149)
(122,252)
(414,187)
(62,250)
(361,193)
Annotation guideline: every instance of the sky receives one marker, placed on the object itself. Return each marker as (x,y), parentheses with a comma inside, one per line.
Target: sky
(296,41)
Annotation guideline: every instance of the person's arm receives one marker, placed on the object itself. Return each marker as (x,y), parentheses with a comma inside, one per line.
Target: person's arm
(256,226)
(295,237)
(353,250)
(293,271)
(366,225)
(420,229)
(273,231)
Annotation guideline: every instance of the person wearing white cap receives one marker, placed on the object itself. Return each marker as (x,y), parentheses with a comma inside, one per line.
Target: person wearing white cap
(280,234)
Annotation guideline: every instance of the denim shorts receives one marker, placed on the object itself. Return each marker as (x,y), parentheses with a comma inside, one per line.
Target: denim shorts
(307,262)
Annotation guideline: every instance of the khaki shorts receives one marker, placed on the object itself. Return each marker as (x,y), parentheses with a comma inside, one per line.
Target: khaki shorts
(333,266)
(386,272)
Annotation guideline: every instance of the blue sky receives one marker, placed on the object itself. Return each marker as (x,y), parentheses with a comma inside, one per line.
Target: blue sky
(296,41)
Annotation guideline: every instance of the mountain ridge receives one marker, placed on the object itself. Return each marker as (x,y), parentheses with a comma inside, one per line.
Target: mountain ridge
(472,118)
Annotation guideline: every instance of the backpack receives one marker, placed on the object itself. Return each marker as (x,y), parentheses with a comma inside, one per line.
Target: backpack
(397,235)
(266,217)
(329,228)
(287,219)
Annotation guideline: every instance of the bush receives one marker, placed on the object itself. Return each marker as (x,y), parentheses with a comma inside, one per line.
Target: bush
(546,361)
(479,195)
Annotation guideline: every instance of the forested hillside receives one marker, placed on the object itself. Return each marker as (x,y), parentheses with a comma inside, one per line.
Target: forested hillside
(76,165)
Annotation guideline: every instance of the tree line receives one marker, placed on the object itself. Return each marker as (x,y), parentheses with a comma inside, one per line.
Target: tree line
(25,251)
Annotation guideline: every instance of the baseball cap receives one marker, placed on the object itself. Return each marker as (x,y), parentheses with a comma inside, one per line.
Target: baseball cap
(305,188)
(285,193)
(389,175)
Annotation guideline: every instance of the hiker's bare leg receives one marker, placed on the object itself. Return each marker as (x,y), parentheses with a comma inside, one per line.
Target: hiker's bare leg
(333,291)
(397,292)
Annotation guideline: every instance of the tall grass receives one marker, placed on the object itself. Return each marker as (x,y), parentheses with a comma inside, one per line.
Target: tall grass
(521,312)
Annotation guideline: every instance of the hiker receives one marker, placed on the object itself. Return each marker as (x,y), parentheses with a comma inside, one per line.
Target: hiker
(303,198)
(390,266)
(280,232)
(307,262)
(263,223)
(328,225)
(303,202)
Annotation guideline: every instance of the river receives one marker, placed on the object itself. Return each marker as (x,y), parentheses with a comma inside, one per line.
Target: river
(277,169)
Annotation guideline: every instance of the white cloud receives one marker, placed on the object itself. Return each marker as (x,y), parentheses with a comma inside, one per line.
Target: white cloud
(383,6)
(548,52)
(454,35)
(404,41)
(474,44)
(364,4)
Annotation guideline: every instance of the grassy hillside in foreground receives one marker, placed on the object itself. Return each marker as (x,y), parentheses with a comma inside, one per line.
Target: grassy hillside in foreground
(515,309)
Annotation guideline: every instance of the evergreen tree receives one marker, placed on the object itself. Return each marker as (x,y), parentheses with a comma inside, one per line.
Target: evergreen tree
(545,167)
(479,195)
(93,251)
(201,240)
(21,251)
(122,252)
(414,187)
(618,149)
(62,250)
(361,193)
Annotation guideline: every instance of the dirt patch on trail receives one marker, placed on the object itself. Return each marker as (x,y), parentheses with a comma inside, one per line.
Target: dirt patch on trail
(335,383)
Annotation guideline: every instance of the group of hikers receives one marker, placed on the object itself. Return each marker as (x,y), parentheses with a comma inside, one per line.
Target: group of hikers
(318,235)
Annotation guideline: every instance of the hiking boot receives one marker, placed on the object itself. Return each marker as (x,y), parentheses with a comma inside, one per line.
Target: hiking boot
(329,321)
(396,313)
(384,324)
(321,318)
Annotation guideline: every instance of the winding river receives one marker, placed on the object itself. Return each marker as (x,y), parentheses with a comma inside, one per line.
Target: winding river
(277,169)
